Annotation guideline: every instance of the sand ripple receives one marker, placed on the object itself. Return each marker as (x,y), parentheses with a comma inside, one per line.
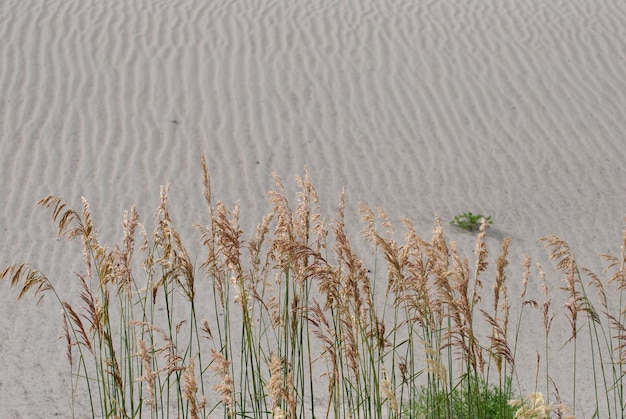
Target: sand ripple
(516,109)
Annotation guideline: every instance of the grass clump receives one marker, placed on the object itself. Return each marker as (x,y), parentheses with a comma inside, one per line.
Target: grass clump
(471,222)
(466,401)
(292,323)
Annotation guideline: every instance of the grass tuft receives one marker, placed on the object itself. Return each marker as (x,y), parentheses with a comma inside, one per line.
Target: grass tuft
(471,222)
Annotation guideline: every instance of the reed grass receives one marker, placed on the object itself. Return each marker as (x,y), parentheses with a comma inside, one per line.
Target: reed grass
(292,323)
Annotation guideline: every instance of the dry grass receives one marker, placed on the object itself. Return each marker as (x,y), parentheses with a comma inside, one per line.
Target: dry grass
(293,327)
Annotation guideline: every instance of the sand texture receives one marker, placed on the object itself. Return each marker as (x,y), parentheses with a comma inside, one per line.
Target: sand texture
(516,109)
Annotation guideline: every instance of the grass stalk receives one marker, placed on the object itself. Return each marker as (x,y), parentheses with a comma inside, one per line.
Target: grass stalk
(274,320)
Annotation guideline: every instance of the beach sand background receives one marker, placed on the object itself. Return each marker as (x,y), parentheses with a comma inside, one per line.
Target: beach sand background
(516,109)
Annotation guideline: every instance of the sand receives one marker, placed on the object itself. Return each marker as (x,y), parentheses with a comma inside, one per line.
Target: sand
(516,109)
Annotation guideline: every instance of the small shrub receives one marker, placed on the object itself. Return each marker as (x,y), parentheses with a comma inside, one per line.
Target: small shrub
(473,397)
(469,221)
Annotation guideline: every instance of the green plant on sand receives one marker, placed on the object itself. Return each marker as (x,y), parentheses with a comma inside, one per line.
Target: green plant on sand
(489,401)
(469,221)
